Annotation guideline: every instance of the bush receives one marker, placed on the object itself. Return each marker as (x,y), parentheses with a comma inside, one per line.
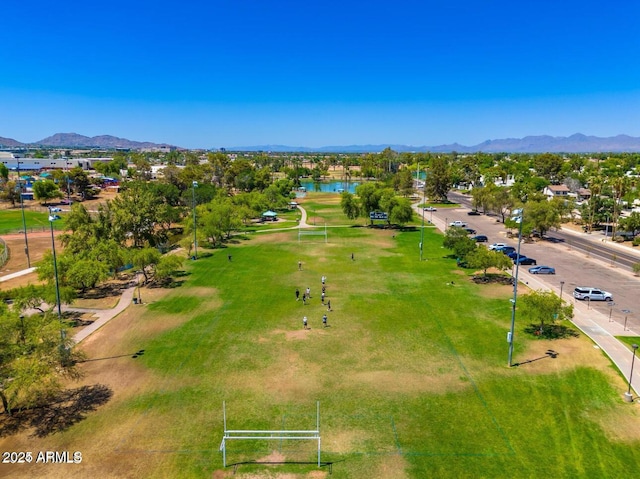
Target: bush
(636,241)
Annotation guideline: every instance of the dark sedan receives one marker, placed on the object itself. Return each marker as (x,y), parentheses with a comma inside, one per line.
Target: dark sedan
(480,239)
(524,260)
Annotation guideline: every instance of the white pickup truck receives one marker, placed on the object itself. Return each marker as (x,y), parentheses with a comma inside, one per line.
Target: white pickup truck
(459,224)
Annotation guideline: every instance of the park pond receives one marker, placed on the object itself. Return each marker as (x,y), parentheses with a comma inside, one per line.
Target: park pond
(330,186)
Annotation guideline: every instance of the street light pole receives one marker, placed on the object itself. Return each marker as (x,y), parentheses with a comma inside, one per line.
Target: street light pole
(626,313)
(194,185)
(628,396)
(63,349)
(24,221)
(422,231)
(55,265)
(519,219)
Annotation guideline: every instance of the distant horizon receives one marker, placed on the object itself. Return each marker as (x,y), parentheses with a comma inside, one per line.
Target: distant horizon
(575,143)
(334,73)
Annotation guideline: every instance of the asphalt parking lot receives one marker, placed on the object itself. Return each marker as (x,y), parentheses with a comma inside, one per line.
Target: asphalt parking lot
(574,267)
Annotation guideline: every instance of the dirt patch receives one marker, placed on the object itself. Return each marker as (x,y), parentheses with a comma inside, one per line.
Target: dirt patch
(297,335)
(39,243)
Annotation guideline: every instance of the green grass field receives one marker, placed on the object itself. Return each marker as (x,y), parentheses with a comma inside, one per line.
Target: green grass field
(411,375)
(11,221)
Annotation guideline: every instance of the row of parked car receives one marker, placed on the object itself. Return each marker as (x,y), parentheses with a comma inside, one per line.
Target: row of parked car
(583,293)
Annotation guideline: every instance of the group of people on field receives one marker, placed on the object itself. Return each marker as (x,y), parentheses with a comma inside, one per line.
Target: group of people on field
(306,296)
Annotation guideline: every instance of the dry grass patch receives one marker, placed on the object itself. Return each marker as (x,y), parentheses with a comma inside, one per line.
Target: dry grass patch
(620,425)
(394,382)
(572,353)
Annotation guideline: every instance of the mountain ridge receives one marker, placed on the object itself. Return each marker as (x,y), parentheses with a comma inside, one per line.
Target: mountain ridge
(576,143)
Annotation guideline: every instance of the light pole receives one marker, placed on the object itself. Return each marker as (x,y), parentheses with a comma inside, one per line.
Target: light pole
(53,218)
(626,313)
(63,349)
(194,185)
(518,218)
(24,221)
(422,231)
(561,287)
(627,396)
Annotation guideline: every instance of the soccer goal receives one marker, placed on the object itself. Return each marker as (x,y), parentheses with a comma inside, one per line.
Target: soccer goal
(313,232)
(268,434)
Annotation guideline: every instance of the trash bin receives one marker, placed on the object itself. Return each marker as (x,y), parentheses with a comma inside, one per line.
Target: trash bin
(135,300)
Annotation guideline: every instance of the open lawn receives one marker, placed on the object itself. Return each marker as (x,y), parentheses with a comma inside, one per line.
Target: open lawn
(411,374)
(11,221)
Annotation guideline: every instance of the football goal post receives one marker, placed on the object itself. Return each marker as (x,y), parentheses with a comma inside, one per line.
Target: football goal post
(313,232)
(268,434)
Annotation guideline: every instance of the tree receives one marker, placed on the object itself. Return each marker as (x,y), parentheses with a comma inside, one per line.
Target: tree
(135,213)
(631,223)
(167,265)
(542,216)
(369,194)
(145,260)
(46,190)
(439,179)
(86,273)
(544,307)
(457,240)
(349,205)
(482,258)
(32,359)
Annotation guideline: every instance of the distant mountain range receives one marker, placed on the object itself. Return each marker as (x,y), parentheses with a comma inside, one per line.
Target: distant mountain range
(73,140)
(577,143)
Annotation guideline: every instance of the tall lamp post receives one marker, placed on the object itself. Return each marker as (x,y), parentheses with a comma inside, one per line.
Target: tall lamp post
(518,218)
(194,185)
(63,349)
(626,315)
(24,221)
(422,231)
(628,397)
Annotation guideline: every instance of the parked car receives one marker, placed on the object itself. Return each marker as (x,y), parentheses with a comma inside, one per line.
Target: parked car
(592,294)
(459,224)
(480,239)
(430,208)
(473,213)
(471,231)
(525,260)
(542,270)
(54,217)
(55,210)
(497,245)
(506,250)
(513,254)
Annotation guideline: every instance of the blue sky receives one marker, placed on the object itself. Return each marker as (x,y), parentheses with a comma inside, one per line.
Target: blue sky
(208,74)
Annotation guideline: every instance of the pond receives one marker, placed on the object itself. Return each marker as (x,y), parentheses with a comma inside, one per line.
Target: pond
(330,186)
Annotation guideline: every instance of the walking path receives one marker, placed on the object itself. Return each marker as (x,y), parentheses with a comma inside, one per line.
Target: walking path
(102,315)
(592,323)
